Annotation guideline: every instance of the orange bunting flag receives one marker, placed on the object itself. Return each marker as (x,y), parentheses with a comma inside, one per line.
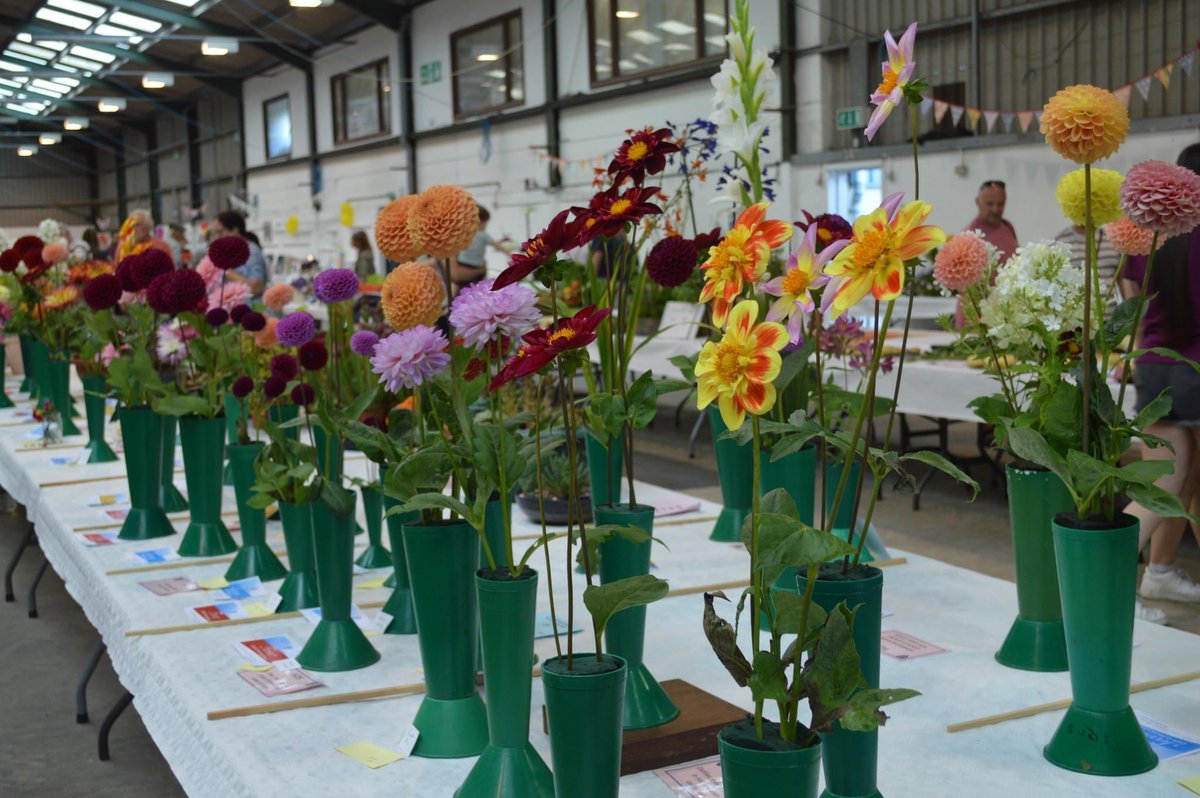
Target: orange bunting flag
(1164,75)
(1124,93)
(939,110)
(1025,118)
(972,117)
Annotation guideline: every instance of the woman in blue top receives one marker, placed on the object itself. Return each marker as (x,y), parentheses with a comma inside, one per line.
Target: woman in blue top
(254,272)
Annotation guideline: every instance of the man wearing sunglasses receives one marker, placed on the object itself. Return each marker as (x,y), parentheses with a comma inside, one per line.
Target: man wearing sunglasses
(990,220)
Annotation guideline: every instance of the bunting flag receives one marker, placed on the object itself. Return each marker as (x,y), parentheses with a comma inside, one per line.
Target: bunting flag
(1025,118)
(1124,93)
(939,110)
(972,117)
(1185,62)
(956,112)
(1164,75)
(926,106)
(1143,87)
(990,117)
(1007,117)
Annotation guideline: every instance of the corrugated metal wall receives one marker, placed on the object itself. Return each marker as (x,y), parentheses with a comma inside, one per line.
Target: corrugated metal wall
(220,152)
(52,183)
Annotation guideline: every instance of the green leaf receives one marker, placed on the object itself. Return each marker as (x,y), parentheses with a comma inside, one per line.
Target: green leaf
(768,681)
(336,498)
(833,673)
(1157,500)
(935,460)
(793,363)
(686,365)
(862,712)
(779,502)
(1165,352)
(1145,472)
(642,399)
(438,501)
(1120,324)
(1158,407)
(1088,473)
(605,601)
(806,548)
(184,406)
(1059,417)
(1029,444)
(789,608)
(773,529)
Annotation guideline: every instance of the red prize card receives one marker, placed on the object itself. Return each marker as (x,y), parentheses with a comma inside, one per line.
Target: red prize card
(210,613)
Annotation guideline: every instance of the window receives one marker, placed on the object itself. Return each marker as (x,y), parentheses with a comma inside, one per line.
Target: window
(636,37)
(277,127)
(855,192)
(360,103)
(486,65)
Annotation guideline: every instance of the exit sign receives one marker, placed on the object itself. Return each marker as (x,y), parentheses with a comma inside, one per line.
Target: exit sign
(431,72)
(852,118)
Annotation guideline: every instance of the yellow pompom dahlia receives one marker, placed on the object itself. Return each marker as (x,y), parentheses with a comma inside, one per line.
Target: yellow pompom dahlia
(1106,196)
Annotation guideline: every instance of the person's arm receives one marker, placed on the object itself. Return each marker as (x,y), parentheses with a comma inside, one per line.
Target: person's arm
(462,273)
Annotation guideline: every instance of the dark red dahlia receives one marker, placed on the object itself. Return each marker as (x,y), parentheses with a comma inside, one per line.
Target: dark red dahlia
(830,228)
(304,394)
(643,153)
(241,387)
(149,265)
(273,387)
(285,367)
(229,252)
(238,312)
(314,356)
(253,321)
(540,249)
(9,260)
(102,292)
(671,261)
(216,317)
(125,273)
(609,210)
(706,240)
(176,292)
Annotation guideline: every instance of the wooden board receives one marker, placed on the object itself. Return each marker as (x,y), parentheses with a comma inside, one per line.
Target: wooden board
(692,735)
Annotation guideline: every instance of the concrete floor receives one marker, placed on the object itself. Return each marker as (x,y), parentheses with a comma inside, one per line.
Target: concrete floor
(44,753)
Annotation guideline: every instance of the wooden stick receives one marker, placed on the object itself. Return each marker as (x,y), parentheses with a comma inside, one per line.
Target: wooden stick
(84,480)
(191,627)
(182,562)
(1029,712)
(182,515)
(657,524)
(687,591)
(49,447)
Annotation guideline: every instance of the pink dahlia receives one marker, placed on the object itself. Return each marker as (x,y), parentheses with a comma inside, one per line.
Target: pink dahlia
(481,315)
(229,295)
(409,358)
(277,296)
(210,273)
(961,262)
(54,253)
(1162,197)
(1127,238)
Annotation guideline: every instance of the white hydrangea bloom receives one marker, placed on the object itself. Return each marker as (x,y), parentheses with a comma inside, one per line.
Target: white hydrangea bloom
(1037,296)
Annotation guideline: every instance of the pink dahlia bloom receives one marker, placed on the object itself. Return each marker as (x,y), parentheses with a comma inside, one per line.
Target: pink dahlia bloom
(481,315)
(229,295)
(1162,197)
(277,296)
(409,358)
(1127,238)
(210,273)
(961,262)
(54,253)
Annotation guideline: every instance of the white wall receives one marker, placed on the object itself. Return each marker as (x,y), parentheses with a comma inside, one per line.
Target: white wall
(269,85)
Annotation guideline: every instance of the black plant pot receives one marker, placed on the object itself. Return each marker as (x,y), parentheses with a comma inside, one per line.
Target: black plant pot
(556,510)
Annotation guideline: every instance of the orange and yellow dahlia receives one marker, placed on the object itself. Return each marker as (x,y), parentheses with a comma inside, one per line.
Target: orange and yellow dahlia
(1085,123)
(738,371)
(391,230)
(739,258)
(412,294)
(443,220)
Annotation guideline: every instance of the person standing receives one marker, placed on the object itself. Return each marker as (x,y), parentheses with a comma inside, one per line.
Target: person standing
(364,263)
(990,221)
(254,271)
(1107,258)
(470,265)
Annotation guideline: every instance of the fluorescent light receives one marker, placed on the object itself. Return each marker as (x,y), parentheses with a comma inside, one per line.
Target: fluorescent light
(112,30)
(11,67)
(40,52)
(48,139)
(24,37)
(66,20)
(80,63)
(495,73)
(51,85)
(23,57)
(625,14)
(78,7)
(58,47)
(676,28)
(25,150)
(184,3)
(157,80)
(94,55)
(32,109)
(644,37)
(130,21)
(110,105)
(486,57)
(76,123)
(218,46)
(309,3)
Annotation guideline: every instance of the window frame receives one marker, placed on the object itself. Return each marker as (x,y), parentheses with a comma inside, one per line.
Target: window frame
(508,48)
(267,157)
(649,72)
(337,98)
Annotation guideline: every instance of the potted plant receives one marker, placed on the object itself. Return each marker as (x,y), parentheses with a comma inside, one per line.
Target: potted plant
(551,500)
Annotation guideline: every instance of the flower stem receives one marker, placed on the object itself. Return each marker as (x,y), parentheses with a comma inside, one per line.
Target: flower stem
(537,442)
(1086,357)
(756,585)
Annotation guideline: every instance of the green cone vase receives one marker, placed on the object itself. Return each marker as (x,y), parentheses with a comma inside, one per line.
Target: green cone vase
(331,456)
(281,413)
(40,355)
(255,557)
(95,393)
(735,467)
(845,509)
(337,644)
(172,500)
(5,399)
(299,588)
(493,530)
(1036,641)
(850,759)
(400,603)
(141,434)
(233,411)
(508,766)
(442,560)
(756,773)
(606,465)
(374,555)
(646,703)
(1099,735)
(583,711)
(795,473)
(60,389)
(27,384)
(203,455)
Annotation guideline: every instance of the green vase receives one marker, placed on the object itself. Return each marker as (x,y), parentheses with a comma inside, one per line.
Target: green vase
(5,400)
(442,560)
(850,759)
(299,588)
(141,436)
(1036,641)
(605,467)
(337,644)
(795,473)
(281,413)
(583,712)
(255,557)
(331,457)
(172,500)
(508,766)
(400,603)
(735,467)
(41,371)
(203,456)
(27,384)
(1097,577)
(234,410)
(374,555)
(646,703)
(95,394)
(762,773)
(60,390)
(845,508)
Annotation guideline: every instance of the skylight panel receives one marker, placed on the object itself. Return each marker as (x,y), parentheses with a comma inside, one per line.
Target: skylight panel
(81,63)
(11,67)
(22,57)
(78,7)
(40,52)
(184,3)
(66,20)
(51,86)
(94,55)
(104,29)
(131,21)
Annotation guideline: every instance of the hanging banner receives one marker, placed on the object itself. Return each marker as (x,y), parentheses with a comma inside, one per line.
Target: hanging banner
(1143,87)
(1025,118)
(1185,62)
(1008,117)
(346,214)
(956,112)
(1124,93)
(939,110)
(1164,75)
(292,225)
(972,118)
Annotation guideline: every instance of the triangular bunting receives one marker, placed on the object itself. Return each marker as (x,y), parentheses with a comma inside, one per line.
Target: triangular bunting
(1007,117)
(926,106)
(1124,93)
(972,118)
(1025,118)
(956,112)
(990,117)
(1143,87)
(1164,75)
(1185,62)
(939,110)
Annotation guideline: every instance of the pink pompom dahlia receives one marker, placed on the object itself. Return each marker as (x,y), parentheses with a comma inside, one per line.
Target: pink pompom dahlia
(961,262)
(1162,197)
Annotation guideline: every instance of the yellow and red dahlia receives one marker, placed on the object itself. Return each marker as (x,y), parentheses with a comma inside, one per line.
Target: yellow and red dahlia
(60,297)
(738,372)
(740,257)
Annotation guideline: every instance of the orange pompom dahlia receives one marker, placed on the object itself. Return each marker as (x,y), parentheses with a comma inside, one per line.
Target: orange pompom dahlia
(391,230)
(265,338)
(1085,123)
(443,220)
(412,294)
(1128,238)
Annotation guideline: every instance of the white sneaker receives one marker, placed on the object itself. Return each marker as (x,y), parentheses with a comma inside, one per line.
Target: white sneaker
(1173,585)
(1149,614)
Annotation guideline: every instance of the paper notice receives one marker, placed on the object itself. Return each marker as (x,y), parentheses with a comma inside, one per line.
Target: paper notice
(268,650)
(676,504)
(221,611)
(699,779)
(369,754)
(108,499)
(905,646)
(276,682)
(1191,783)
(240,589)
(169,587)
(97,538)
(1167,742)
(151,556)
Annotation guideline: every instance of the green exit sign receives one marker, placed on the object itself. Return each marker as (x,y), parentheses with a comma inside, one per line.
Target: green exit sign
(431,72)
(852,118)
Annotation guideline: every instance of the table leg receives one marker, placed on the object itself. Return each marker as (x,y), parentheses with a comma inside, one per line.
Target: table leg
(106,727)
(12,565)
(31,601)
(696,433)
(81,706)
